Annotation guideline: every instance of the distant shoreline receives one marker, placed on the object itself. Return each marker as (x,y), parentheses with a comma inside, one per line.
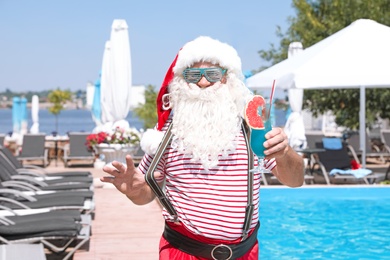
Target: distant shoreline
(46,105)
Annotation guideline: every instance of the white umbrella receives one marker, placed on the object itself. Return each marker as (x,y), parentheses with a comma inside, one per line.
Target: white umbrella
(354,57)
(116,75)
(35,114)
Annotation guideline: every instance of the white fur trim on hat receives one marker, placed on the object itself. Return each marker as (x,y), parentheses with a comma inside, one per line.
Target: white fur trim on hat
(207,49)
(150,141)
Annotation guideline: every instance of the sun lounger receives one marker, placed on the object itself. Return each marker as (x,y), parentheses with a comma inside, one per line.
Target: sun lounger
(15,199)
(313,137)
(41,213)
(87,194)
(372,151)
(55,232)
(36,170)
(77,150)
(33,149)
(335,163)
(4,162)
(9,176)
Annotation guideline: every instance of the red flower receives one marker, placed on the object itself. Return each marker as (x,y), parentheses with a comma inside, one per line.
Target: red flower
(94,139)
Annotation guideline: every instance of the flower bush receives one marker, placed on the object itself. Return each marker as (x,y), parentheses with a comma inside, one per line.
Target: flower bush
(116,136)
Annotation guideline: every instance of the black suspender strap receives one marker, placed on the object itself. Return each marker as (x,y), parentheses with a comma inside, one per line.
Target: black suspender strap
(250,206)
(151,181)
(149,176)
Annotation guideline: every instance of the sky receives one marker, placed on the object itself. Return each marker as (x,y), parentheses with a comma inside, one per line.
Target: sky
(46,44)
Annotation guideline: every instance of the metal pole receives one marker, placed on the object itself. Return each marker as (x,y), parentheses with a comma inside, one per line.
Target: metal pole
(362,124)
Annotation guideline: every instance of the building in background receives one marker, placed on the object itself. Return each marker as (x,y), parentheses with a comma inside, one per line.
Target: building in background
(137,96)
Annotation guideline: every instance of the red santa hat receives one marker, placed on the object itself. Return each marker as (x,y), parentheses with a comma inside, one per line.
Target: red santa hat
(202,49)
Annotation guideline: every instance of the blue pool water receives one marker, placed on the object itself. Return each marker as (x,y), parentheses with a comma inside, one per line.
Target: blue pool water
(325,223)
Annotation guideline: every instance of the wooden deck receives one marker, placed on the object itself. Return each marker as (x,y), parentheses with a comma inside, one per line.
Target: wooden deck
(120,230)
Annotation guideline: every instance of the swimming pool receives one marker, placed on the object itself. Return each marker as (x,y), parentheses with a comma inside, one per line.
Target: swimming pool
(325,223)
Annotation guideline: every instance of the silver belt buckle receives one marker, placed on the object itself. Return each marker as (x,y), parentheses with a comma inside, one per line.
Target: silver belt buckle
(225,246)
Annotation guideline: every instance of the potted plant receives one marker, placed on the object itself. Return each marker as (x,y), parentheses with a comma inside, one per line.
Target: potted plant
(114,144)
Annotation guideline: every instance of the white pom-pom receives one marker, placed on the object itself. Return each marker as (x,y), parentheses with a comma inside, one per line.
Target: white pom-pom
(150,141)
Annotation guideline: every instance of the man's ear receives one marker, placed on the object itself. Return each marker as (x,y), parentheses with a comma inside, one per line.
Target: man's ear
(224,79)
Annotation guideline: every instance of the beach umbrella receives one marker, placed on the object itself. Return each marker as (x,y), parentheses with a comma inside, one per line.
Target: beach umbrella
(116,75)
(295,127)
(23,116)
(90,92)
(354,57)
(96,107)
(16,120)
(35,114)
(105,85)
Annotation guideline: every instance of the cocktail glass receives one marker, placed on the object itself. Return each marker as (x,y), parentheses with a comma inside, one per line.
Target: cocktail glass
(257,139)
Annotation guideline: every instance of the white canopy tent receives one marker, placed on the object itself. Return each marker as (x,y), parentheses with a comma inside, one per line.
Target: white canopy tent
(357,56)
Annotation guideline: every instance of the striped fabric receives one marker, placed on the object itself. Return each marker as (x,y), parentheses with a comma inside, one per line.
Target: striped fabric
(209,203)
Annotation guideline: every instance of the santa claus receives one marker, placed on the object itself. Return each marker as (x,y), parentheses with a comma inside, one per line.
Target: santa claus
(212,200)
(206,115)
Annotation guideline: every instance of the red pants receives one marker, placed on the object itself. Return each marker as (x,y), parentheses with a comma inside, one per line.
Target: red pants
(168,252)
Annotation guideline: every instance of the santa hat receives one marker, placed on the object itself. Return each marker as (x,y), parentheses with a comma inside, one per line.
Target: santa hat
(202,49)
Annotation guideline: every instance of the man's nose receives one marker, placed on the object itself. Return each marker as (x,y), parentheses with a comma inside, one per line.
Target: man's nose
(203,82)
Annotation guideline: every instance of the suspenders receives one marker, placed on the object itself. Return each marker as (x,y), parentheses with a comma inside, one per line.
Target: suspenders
(149,177)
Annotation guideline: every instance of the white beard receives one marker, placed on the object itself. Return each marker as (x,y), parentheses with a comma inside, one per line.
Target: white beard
(206,121)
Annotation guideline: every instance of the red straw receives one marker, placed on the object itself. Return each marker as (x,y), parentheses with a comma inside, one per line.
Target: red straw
(270,99)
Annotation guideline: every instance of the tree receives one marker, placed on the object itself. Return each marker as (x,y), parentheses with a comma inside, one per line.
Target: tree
(316,20)
(58,98)
(148,112)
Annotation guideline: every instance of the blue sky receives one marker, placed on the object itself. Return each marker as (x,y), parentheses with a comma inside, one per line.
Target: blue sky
(46,44)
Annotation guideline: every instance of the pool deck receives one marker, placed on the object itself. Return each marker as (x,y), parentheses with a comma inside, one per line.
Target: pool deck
(122,230)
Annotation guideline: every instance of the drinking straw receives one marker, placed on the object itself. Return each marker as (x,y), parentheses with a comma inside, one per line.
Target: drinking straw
(270,99)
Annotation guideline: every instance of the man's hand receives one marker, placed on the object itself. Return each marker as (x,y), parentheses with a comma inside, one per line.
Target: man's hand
(276,145)
(127,179)
(289,165)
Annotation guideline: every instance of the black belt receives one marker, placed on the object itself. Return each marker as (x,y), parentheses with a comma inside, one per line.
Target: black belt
(209,251)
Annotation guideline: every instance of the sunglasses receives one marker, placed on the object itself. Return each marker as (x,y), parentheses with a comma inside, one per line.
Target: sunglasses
(193,75)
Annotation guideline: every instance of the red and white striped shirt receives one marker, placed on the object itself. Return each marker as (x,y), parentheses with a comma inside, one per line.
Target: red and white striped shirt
(209,202)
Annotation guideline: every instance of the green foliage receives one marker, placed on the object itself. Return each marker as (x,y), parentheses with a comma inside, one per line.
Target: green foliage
(316,20)
(148,112)
(58,98)
(345,103)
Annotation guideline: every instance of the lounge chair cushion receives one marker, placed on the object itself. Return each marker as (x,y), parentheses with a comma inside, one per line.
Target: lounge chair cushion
(332,143)
(44,227)
(358,173)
